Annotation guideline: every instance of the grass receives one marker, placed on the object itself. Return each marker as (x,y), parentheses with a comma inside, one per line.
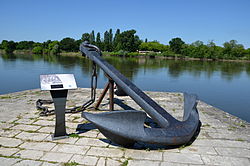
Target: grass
(206,125)
(73,163)
(240,124)
(125,163)
(74,135)
(240,139)
(5,97)
(231,128)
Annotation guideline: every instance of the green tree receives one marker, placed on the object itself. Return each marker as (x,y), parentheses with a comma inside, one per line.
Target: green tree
(233,50)
(92,37)
(68,44)
(45,45)
(86,37)
(176,45)
(25,45)
(106,41)
(110,38)
(98,40)
(153,46)
(128,41)
(37,50)
(116,39)
(8,46)
(54,47)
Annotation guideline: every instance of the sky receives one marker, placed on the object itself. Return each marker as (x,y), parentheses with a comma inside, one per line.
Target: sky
(161,20)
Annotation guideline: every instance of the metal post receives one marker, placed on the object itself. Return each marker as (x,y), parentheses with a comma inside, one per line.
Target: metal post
(102,96)
(111,95)
(59,99)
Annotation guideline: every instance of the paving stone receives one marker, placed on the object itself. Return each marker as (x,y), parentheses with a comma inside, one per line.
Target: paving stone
(143,155)
(47,118)
(92,134)
(113,162)
(234,152)
(25,121)
(173,164)
(69,140)
(8,151)
(85,160)
(43,146)
(48,130)
(9,133)
(6,125)
(91,142)
(106,152)
(8,161)
(182,158)
(100,135)
(228,136)
(198,150)
(57,157)
(28,163)
(143,162)
(221,143)
(45,123)
(26,127)
(30,154)
(32,136)
(101,162)
(10,142)
(64,148)
(222,160)
(51,164)
(72,125)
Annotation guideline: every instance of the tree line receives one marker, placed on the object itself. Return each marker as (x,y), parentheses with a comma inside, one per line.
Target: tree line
(128,43)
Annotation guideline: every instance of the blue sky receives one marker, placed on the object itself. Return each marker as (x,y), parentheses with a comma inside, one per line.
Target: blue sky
(162,20)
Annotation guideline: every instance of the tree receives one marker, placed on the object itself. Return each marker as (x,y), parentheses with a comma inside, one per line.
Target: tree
(128,41)
(98,41)
(37,50)
(232,49)
(92,37)
(116,39)
(176,45)
(46,44)
(8,46)
(85,37)
(54,47)
(197,43)
(153,46)
(110,37)
(68,44)
(25,45)
(106,41)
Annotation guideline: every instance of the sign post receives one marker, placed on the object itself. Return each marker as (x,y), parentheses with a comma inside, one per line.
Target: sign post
(58,85)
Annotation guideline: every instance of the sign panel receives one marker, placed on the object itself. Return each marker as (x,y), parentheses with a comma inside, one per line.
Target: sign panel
(57,82)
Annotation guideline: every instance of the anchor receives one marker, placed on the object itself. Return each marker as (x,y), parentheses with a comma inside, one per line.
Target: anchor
(127,127)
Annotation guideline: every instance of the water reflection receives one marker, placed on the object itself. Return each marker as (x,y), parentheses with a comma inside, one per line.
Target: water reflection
(130,66)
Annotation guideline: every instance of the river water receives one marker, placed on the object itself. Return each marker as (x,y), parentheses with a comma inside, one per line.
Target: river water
(225,85)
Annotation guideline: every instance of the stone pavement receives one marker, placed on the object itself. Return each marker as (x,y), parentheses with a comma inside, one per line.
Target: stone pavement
(25,138)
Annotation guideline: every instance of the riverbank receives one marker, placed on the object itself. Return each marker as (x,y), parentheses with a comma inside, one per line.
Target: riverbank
(25,137)
(136,55)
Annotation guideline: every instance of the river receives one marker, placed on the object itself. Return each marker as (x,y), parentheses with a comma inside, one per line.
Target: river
(225,85)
